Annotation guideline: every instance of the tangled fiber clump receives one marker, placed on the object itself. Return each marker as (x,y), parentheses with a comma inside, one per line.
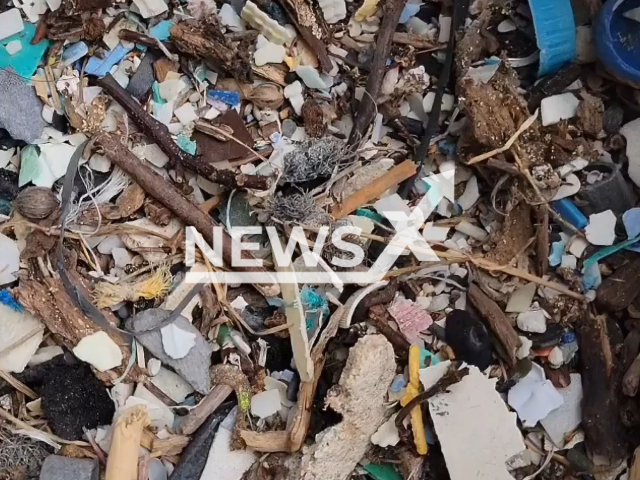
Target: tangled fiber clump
(312,159)
(21,456)
(297,207)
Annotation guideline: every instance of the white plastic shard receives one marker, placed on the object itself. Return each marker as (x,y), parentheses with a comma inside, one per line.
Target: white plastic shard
(10,23)
(558,107)
(10,261)
(151,8)
(269,52)
(601,228)
(534,397)
(333,10)
(521,298)
(568,416)
(266,404)
(100,351)
(631,131)
(387,434)
(265,24)
(14,327)
(177,343)
(474,446)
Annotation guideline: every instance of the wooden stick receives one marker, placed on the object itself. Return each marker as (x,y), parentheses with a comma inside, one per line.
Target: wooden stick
(375,189)
(160,134)
(198,415)
(498,322)
(170,197)
(366,110)
(631,380)
(122,463)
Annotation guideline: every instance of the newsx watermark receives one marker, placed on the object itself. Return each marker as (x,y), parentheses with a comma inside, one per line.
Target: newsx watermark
(317,270)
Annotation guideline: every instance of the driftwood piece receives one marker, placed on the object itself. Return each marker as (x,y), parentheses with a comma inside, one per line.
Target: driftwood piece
(601,422)
(122,463)
(206,41)
(160,134)
(631,379)
(199,414)
(542,241)
(366,110)
(415,40)
(498,322)
(170,197)
(619,290)
(382,320)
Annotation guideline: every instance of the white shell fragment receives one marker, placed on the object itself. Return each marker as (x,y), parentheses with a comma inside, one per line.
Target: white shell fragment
(177,342)
(100,351)
(601,228)
(558,107)
(333,10)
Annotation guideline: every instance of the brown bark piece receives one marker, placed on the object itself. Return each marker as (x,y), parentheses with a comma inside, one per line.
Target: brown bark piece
(542,242)
(163,66)
(591,114)
(413,39)
(213,150)
(498,322)
(130,200)
(600,380)
(619,290)
(631,379)
(313,117)
(382,320)
(157,213)
(514,234)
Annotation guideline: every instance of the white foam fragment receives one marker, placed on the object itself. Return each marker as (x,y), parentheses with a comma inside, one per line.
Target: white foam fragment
(387,434)
(10,23)
(534,397)
(521,298)
(14,328)
(110,242)
(230,19)
(100,351)
(177,343)
(471,230)
(445,29)
(160,415)
(266,404)
(186,114)
(13,47)
(601,228)
(525,347)
(506,26)
(222,462)
(569,261)
(578,246)
(555,108)
(477,432)
(433,233)
(333,10)
(532,321)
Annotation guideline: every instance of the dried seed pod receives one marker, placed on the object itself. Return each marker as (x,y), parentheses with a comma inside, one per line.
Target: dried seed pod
(267,95)
(36,202)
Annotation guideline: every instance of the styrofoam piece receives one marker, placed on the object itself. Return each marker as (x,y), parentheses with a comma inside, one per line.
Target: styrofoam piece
(265,404)
(333,10)
(477,432)
(521,299)
(186,114)
(177,343)
(525,347)
(170,383)
(110,242)
(585,45)
(10,23)
(601,228)
(506,26)
(569,261)
(568,416)
(17,325)
(153,366)
(100,351)
(532,321)
(151,8)
(534,397)
(555,108)
(271,29)
(387,434)
(447,104)
(169,89)
(13,47)
(222,462)
(269,53)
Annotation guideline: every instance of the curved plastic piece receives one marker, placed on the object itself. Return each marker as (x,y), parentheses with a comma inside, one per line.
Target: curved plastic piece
(555,33)
(618,39)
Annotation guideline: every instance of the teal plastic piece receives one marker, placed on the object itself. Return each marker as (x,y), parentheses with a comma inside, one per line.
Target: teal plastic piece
(161,29)
(426,354)
(382,472)
(157,98)
(26,60)
(606,251)
(363,212)
(186,144)
(29,165)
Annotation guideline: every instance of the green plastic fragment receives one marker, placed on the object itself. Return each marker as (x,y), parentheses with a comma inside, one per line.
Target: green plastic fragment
(29,165)
(186,144)
(385,471)
(157,98)
(26,60)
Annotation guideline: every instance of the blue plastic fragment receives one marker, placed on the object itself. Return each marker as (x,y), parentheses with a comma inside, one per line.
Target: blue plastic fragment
(591,277)
(398,383)
(101,66)
(631,220)
(618,39)
(186,144)
(74,52)
(26,60)
(161,29)
(230,98)
(557,250)
(410,10)
(555,33)
(9,300)
(569,337)
(569,212)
